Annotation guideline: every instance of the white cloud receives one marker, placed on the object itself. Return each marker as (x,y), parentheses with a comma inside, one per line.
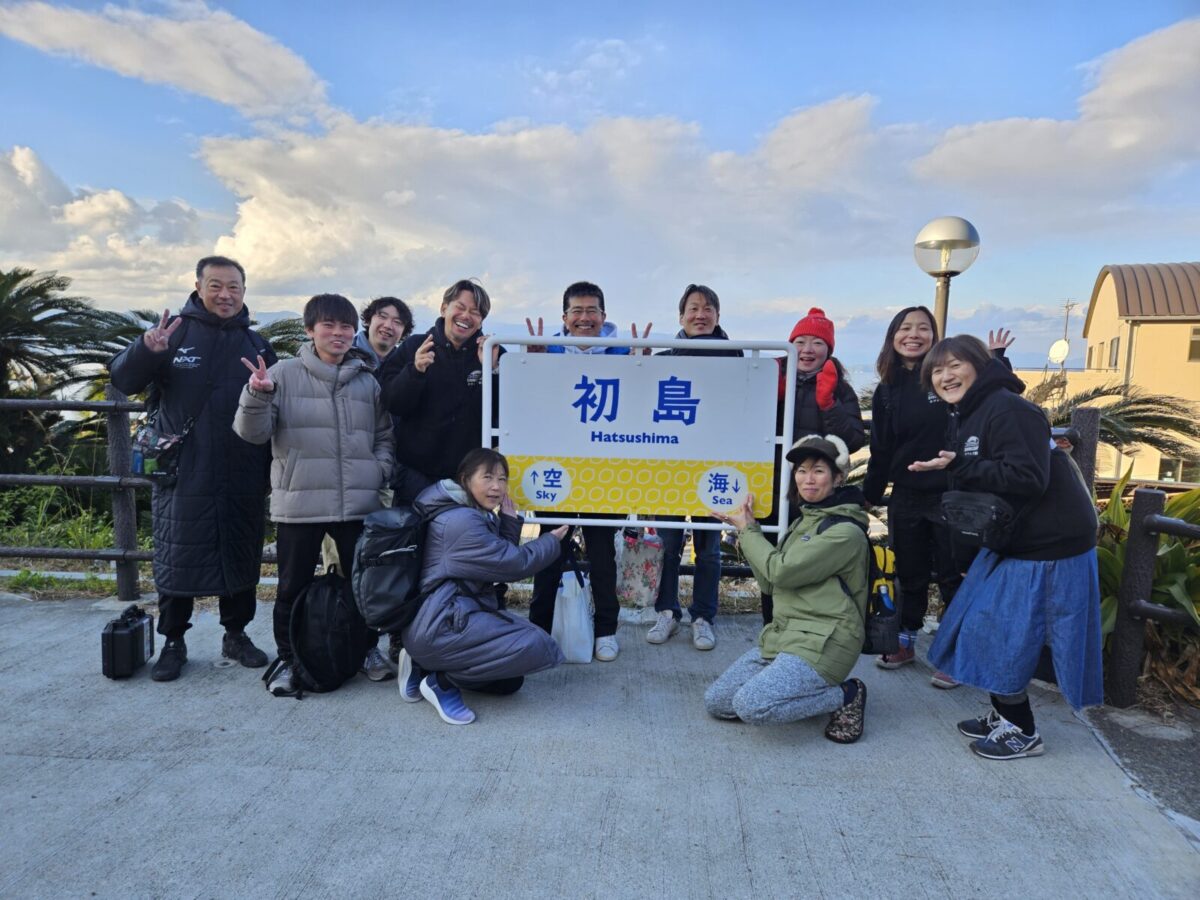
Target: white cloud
(194,48)
(1136,123)
(584,83)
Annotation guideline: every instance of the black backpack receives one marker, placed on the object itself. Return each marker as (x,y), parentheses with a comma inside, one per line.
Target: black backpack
(387,568)
(328,635)
(881,634)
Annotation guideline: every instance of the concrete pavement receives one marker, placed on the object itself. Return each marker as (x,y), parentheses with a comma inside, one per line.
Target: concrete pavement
(604,780)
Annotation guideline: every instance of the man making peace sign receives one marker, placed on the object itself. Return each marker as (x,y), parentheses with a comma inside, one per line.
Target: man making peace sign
(208,518)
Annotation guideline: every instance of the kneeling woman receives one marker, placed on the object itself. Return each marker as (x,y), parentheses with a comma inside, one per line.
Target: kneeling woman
(818,577)
(1043,588)
(461,638)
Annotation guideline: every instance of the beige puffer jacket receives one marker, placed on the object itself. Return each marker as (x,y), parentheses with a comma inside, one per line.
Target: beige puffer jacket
(331,439)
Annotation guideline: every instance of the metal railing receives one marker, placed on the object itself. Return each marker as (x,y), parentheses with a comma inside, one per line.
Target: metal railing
(1146,523)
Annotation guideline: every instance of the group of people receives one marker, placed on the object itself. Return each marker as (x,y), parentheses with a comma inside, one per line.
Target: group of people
(364,417)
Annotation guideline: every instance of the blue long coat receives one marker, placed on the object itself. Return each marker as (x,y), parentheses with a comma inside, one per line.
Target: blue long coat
(460,629)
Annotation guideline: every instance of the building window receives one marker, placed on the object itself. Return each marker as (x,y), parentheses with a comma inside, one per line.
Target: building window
(1089,362)
(1168,469)
(1113,352)
(1100,355)
(1194,347)
(1190,470)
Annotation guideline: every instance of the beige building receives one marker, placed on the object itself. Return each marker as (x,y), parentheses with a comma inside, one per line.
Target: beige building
(1142,329)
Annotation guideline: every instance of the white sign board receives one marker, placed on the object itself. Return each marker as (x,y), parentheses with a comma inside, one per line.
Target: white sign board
(652,435)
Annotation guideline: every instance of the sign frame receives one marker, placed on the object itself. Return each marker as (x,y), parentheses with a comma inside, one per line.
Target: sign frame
(782,440)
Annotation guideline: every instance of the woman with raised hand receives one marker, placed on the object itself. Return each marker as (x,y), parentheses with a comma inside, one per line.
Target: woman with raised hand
(461,638)
(818,576)
(908,423)
(1034,586)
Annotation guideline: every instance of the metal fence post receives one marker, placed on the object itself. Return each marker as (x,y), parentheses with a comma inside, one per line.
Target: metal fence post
(124,500)
(1086,420)
(1141,550)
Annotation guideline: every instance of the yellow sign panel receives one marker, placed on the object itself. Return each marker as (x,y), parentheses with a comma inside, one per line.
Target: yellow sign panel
(647,487)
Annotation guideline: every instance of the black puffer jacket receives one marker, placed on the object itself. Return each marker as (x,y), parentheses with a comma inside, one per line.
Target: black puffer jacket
(1002,442)
(436,412)
(208,526)
(844,418)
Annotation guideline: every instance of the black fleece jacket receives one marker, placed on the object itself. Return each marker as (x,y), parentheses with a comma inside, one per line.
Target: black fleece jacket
(1002,444)
(908,423)
(437,412)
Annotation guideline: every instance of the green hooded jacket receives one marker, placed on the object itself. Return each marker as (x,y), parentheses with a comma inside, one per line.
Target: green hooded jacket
(815,618)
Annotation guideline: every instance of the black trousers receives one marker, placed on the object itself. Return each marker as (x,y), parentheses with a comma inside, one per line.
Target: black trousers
(924,552)
(175,613)
(299,549)
(601,553)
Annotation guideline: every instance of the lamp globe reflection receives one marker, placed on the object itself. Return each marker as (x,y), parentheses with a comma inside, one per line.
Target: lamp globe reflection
(944,248)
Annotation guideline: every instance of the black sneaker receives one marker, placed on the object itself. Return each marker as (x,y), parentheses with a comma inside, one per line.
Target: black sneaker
(170,661)
(1007,741)
(237,645)
(977,729)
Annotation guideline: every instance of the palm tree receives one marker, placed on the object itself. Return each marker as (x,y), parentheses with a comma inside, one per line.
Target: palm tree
(48,341)
(1130,416)
(284,335)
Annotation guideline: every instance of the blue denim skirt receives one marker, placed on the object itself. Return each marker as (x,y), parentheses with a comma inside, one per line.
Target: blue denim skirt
(992,635)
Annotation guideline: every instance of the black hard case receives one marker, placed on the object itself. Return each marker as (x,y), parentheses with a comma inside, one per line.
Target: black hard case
(127,643)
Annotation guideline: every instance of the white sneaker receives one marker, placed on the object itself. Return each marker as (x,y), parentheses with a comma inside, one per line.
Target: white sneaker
(663,628)
(702,635)
(606,648)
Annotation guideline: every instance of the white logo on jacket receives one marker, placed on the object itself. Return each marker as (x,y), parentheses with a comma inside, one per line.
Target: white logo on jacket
(971,447)
(183,361)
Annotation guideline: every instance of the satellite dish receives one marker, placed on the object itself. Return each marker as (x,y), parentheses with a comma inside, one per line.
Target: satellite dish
(1058,351)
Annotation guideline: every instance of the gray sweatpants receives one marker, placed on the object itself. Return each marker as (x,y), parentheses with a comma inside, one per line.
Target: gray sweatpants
(771,692)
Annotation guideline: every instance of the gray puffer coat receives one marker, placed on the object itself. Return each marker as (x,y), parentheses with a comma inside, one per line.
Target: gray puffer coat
(460,629)
(331,438)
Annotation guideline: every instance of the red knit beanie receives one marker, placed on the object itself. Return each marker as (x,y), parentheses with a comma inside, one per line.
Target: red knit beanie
(816,325)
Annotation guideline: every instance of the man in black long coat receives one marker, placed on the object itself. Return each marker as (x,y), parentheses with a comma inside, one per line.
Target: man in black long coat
(209,513)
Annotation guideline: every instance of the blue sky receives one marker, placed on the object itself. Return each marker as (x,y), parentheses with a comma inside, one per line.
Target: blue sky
(786,154)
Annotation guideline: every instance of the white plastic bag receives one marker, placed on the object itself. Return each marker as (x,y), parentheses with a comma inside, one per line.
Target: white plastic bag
(573,627)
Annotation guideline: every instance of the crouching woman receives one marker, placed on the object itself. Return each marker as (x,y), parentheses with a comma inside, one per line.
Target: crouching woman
(461,638)
(818,577)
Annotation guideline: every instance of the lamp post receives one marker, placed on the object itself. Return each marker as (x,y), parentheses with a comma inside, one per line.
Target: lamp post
(944,248)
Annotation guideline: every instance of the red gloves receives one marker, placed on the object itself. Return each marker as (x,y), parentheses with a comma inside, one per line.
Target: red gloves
(827,380)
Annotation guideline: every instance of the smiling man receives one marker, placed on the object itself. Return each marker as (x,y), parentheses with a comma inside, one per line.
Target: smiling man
(208,526)
(385,323)
(331,448)
(433,386)
(583,316)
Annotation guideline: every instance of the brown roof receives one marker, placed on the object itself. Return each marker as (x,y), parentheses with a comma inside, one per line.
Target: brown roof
(1152,291)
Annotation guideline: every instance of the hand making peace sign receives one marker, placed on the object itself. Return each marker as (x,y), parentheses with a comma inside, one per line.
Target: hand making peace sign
(530,348)
(158,338)
(260,379)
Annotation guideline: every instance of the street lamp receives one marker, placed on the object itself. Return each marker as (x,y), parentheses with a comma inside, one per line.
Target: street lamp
(944,248)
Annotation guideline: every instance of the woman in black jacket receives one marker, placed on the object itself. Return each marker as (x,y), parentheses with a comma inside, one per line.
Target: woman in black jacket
(908,423)
(1037,587)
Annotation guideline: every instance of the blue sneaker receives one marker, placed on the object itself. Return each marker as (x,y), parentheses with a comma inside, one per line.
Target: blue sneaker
(448,702)
(1007,741)
(410,678)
